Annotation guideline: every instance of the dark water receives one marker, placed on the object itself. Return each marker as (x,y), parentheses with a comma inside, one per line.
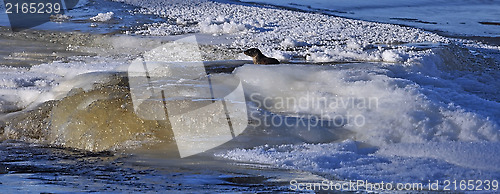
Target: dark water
(125,17)
(28,167)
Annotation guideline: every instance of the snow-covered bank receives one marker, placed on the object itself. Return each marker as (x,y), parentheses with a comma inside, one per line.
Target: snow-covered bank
(429,89)
(432,95)
(422,128)
(283,34)
(459,17)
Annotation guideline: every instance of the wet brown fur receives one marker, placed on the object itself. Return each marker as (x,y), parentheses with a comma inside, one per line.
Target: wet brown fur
(259,58)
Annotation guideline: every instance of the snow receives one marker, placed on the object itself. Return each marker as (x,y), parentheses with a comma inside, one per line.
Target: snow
(422,128)
(21,88)
(220,26)
(402,111)
(400,163)
(422,81)
(102,17)
(318,37)
(437,108)
(391,56)
(59,18)
(290,43)
(460,17)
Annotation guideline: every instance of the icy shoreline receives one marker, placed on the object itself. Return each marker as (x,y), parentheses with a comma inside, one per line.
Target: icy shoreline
(436,94)
(420,65)
(449,18)
(285,34)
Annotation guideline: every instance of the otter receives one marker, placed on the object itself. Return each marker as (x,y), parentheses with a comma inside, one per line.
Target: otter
(259,58)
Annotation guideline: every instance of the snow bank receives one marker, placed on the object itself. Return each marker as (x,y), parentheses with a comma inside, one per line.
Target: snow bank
(428,92)
(220,26)
(349,161)
(319,38)
(418,13)
(400,110)
(21,88)
(102,17)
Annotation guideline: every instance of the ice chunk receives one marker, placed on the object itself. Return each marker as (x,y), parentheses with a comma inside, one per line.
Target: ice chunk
(102,17)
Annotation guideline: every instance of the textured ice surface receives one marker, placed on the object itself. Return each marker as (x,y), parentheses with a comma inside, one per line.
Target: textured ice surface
(102,17)
(437,111)
(462,17)
(314,37)
(399,163)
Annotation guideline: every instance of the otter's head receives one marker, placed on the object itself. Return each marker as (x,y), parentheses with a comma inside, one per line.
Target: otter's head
(253,52)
